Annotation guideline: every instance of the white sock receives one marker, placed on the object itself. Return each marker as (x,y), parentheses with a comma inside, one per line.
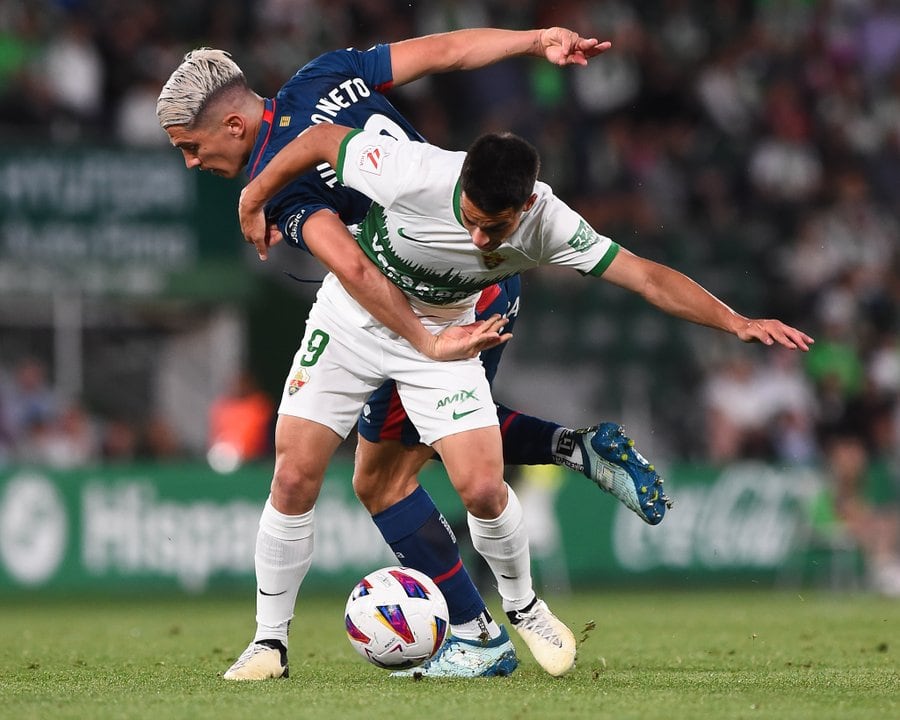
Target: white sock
(477,628)
(503,543)
(284,547)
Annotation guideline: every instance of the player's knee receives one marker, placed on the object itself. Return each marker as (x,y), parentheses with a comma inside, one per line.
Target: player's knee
(484,497)
(294,487)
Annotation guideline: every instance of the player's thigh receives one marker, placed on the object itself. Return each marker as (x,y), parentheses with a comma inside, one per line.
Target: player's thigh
(385,472)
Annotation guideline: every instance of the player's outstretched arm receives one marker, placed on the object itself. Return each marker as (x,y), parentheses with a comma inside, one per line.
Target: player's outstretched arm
(475,48)
(678,295)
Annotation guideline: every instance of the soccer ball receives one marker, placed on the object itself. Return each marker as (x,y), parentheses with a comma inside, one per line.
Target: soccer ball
(396,617)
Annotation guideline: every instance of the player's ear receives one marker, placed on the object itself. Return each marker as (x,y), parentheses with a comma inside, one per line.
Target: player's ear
(235,124)
(529,203)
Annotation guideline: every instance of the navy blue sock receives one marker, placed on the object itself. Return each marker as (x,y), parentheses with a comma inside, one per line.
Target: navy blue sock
(421,539)
(527,440)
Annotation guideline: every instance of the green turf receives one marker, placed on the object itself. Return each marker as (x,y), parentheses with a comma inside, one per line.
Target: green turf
(668,655)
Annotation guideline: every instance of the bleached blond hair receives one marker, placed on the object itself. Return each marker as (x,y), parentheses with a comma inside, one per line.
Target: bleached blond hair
(204,74)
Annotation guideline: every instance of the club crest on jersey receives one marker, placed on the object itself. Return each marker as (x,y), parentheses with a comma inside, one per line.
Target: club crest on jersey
(372,159)
(301,377)
(492,259)
(284,121)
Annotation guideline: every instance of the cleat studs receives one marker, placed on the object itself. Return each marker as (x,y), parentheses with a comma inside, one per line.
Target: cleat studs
(651,468)
(630,442)
(623,457)
(643,489)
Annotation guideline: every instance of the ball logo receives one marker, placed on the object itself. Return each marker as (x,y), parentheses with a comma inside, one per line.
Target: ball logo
(33,529)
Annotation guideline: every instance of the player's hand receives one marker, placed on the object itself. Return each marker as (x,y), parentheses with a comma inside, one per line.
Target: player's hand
(254,227)
(466,341)
(566,47)
(770,332)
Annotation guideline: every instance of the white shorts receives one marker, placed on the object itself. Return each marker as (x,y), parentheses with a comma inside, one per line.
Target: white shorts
(346,354)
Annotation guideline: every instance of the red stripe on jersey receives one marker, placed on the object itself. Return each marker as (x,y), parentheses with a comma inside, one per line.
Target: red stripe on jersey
(267,117)
(393,421)
(488,295)
(385,86)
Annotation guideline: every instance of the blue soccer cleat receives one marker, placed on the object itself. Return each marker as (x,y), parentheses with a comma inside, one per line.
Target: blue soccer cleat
(612,462)
(468,659)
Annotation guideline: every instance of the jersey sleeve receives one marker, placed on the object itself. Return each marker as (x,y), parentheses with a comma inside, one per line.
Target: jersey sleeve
(379,166)
(570,241)
(372,65)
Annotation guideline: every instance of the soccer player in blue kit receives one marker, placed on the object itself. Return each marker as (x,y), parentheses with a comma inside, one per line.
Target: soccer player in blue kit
(220,125)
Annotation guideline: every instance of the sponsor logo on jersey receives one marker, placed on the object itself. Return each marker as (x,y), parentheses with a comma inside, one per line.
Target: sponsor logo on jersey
(431,286)
(301,377)
(458,415)
(457,397)
(372,159)
(584,237)
(402,233)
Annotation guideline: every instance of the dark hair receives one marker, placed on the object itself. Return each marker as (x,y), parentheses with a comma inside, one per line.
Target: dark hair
(499,172)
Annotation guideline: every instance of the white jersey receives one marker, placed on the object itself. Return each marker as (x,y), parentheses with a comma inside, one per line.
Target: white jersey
(415,235)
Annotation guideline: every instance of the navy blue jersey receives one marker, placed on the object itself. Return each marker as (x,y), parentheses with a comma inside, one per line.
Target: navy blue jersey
(344,87)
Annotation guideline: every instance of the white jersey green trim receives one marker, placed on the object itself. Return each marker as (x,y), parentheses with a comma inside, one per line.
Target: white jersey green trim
(342,152)
(601,266)
(414,232)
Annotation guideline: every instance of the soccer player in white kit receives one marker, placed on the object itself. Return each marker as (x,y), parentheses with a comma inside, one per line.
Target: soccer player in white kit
(443,226)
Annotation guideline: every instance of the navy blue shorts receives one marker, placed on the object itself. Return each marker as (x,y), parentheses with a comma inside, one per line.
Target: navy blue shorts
(383,417)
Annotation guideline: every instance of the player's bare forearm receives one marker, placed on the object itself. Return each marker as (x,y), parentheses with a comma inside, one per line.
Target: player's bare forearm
(680,296)
(475,48)
(316,144)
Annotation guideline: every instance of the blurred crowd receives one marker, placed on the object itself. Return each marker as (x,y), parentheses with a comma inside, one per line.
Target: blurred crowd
(40,427)
(756,141)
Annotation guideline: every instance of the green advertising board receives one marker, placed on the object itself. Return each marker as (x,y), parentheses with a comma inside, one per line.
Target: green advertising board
(187,528)
(107,221)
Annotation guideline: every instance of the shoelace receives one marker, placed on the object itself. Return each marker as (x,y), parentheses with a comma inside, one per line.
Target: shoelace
(251,650)
(538,623)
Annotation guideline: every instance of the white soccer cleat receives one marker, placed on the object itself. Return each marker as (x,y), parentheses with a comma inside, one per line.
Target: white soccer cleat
(260,661)
(550,641)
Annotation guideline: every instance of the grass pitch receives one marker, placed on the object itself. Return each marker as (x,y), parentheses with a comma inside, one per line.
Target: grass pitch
(672,655)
